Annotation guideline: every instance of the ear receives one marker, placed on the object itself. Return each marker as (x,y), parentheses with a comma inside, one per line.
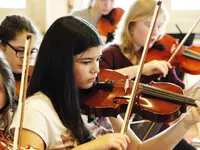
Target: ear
(2,47)
(131,28)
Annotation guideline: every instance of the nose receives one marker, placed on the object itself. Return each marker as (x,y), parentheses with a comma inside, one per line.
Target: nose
(21,59)
(107,4)
(155,31)
(95,68)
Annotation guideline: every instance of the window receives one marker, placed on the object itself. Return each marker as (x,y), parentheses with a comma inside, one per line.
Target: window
(12,3)
(185,4)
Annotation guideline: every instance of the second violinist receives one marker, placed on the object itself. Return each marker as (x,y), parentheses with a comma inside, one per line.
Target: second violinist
(13,31)
(102,15)
(123,55)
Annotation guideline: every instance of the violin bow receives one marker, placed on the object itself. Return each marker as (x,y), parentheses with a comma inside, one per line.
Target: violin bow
(183,41)
(22,93)
(139,72)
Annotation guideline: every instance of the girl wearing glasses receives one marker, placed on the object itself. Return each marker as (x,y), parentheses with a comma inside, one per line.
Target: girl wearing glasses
(13,31)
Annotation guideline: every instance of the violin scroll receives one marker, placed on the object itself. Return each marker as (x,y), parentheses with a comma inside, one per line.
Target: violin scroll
(188,59)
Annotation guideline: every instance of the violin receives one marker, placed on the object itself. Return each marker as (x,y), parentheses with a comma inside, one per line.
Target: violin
(188,58)
(4,142)
(108,23)
(158,102)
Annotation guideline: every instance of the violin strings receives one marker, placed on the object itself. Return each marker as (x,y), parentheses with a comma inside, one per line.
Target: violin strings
(168,95)
(191,54)
(153,91)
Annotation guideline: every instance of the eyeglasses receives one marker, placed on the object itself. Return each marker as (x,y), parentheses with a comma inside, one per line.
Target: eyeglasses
(20,53)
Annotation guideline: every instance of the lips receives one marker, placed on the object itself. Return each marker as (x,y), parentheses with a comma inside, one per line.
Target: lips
(106,11)
(20,66)
(92,80)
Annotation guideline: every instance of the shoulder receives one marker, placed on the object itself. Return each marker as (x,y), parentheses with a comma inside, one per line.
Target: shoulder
(111,57)
(40,117)
(41,105)
(79,12)
(111,49)
(39,99)
(38,105)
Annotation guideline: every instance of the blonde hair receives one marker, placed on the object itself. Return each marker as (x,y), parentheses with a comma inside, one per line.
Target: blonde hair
(138,10)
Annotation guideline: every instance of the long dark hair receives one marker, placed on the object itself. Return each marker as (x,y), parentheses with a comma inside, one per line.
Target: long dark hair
(8,88)
(54,69)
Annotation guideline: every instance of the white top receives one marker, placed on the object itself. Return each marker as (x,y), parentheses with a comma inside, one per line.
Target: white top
(41,118)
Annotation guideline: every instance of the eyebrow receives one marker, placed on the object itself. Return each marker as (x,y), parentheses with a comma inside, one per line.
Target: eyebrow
(89,58)
(85,58)
(20,47)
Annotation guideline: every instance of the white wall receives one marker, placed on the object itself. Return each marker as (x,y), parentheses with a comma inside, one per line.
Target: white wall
(41,12)
(34,10)
(54,10)
(44,12)
(184,18)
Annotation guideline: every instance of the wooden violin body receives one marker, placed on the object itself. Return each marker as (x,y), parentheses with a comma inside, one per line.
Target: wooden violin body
(151,102)
(188,58)
(4,142)
(109,23)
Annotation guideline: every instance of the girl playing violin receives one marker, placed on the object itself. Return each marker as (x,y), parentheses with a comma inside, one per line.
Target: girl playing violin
(103,15)
(7,94)
(130,38)
(68,61)
(123,55)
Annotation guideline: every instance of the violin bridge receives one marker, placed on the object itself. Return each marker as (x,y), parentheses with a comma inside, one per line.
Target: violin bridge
(126,86)
(173,48)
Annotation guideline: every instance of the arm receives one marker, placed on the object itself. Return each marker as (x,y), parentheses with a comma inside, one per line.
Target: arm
(166,140)
(106,142)
(113,59)
(130,71)
(117,124)
(150,68)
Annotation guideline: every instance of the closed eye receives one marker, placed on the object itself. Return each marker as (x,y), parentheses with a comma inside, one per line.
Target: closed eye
(85,62)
